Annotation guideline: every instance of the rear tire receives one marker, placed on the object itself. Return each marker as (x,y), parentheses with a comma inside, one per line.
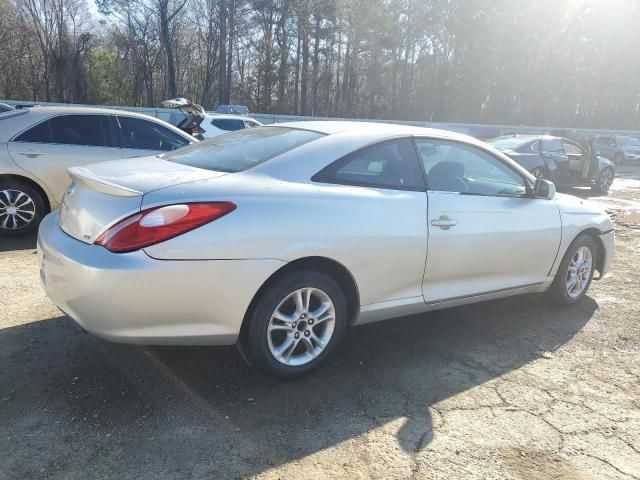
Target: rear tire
(575,272)
(295,325)
(22,207)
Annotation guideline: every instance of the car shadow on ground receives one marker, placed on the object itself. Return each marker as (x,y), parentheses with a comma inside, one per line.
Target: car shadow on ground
(76,404)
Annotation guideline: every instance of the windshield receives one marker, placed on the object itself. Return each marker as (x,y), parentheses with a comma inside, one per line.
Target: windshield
(241,150)
(509,143)
(628,142)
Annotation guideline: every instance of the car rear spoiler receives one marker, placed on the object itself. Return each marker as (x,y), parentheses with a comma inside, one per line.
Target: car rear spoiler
(82,176)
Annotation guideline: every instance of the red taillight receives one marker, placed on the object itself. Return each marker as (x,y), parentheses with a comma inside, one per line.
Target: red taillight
(158,224)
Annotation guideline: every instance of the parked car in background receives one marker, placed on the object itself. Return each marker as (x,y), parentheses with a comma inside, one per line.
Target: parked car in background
(560,160)
(192,118)
(38,144)
(280,237)
(216,124)
(5,108)
(186,115)
(621,149)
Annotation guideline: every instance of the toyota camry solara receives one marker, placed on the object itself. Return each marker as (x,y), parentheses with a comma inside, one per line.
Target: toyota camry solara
(279,238)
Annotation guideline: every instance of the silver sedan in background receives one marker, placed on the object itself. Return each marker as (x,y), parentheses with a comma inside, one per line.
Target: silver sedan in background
(279,238)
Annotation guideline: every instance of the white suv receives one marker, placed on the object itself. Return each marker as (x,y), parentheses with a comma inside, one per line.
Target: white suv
(218,123)
(193,119)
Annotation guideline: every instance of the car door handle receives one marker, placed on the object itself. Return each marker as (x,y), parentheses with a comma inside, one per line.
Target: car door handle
(444,222)
(31,153)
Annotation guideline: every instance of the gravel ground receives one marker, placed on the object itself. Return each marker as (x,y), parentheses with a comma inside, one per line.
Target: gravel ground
(510,389)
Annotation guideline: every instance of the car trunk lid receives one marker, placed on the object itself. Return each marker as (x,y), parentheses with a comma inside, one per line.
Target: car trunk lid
(102,194)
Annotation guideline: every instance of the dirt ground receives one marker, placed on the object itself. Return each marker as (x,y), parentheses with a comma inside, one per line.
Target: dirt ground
(510,389)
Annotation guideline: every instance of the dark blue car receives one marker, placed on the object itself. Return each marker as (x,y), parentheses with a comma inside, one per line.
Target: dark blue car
(563,161)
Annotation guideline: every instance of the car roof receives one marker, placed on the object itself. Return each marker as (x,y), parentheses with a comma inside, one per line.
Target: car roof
(53,110)
(17,120)
(529,137)
(380,129)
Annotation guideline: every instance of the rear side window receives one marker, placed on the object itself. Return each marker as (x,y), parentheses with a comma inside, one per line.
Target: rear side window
(38,134)
(88,130)
(85,130)
(145,135)
(393,164)
(237,151)
(230,125)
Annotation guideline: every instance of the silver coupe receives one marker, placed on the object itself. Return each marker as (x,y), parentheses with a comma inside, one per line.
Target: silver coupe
(279,238)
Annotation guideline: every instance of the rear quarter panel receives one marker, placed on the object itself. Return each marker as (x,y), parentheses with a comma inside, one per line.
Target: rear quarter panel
(9,167)
(378,235)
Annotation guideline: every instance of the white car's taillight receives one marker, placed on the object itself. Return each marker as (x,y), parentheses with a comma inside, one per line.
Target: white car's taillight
(158,224)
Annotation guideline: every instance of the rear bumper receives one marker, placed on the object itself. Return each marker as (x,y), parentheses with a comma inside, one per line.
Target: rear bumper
(608,240)
(133,298)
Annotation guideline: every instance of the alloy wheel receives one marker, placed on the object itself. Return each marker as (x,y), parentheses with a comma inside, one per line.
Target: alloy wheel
(17,209)
(301,326)
(606,180)
(579,272)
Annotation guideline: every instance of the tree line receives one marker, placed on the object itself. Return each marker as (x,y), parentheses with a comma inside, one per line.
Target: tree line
(549,62)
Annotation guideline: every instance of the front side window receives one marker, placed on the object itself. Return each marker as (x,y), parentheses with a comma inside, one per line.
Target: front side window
(85,130)
(228,124)
(145,135)
(459,168)
(572,149)
(391,164)
(237,151)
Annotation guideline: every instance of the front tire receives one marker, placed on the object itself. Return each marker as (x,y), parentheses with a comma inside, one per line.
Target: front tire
(604,181)
(21,208)
(295,324)
(575,272)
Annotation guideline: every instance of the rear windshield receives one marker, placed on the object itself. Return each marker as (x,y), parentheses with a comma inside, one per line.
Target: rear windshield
(241,150)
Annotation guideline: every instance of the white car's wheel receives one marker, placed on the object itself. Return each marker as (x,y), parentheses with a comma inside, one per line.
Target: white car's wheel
(295,324)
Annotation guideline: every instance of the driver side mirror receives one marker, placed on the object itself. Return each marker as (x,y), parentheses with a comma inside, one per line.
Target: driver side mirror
(544,189)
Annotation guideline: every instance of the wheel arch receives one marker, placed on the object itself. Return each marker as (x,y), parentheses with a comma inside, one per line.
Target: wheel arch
(333,268)
(32,183)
